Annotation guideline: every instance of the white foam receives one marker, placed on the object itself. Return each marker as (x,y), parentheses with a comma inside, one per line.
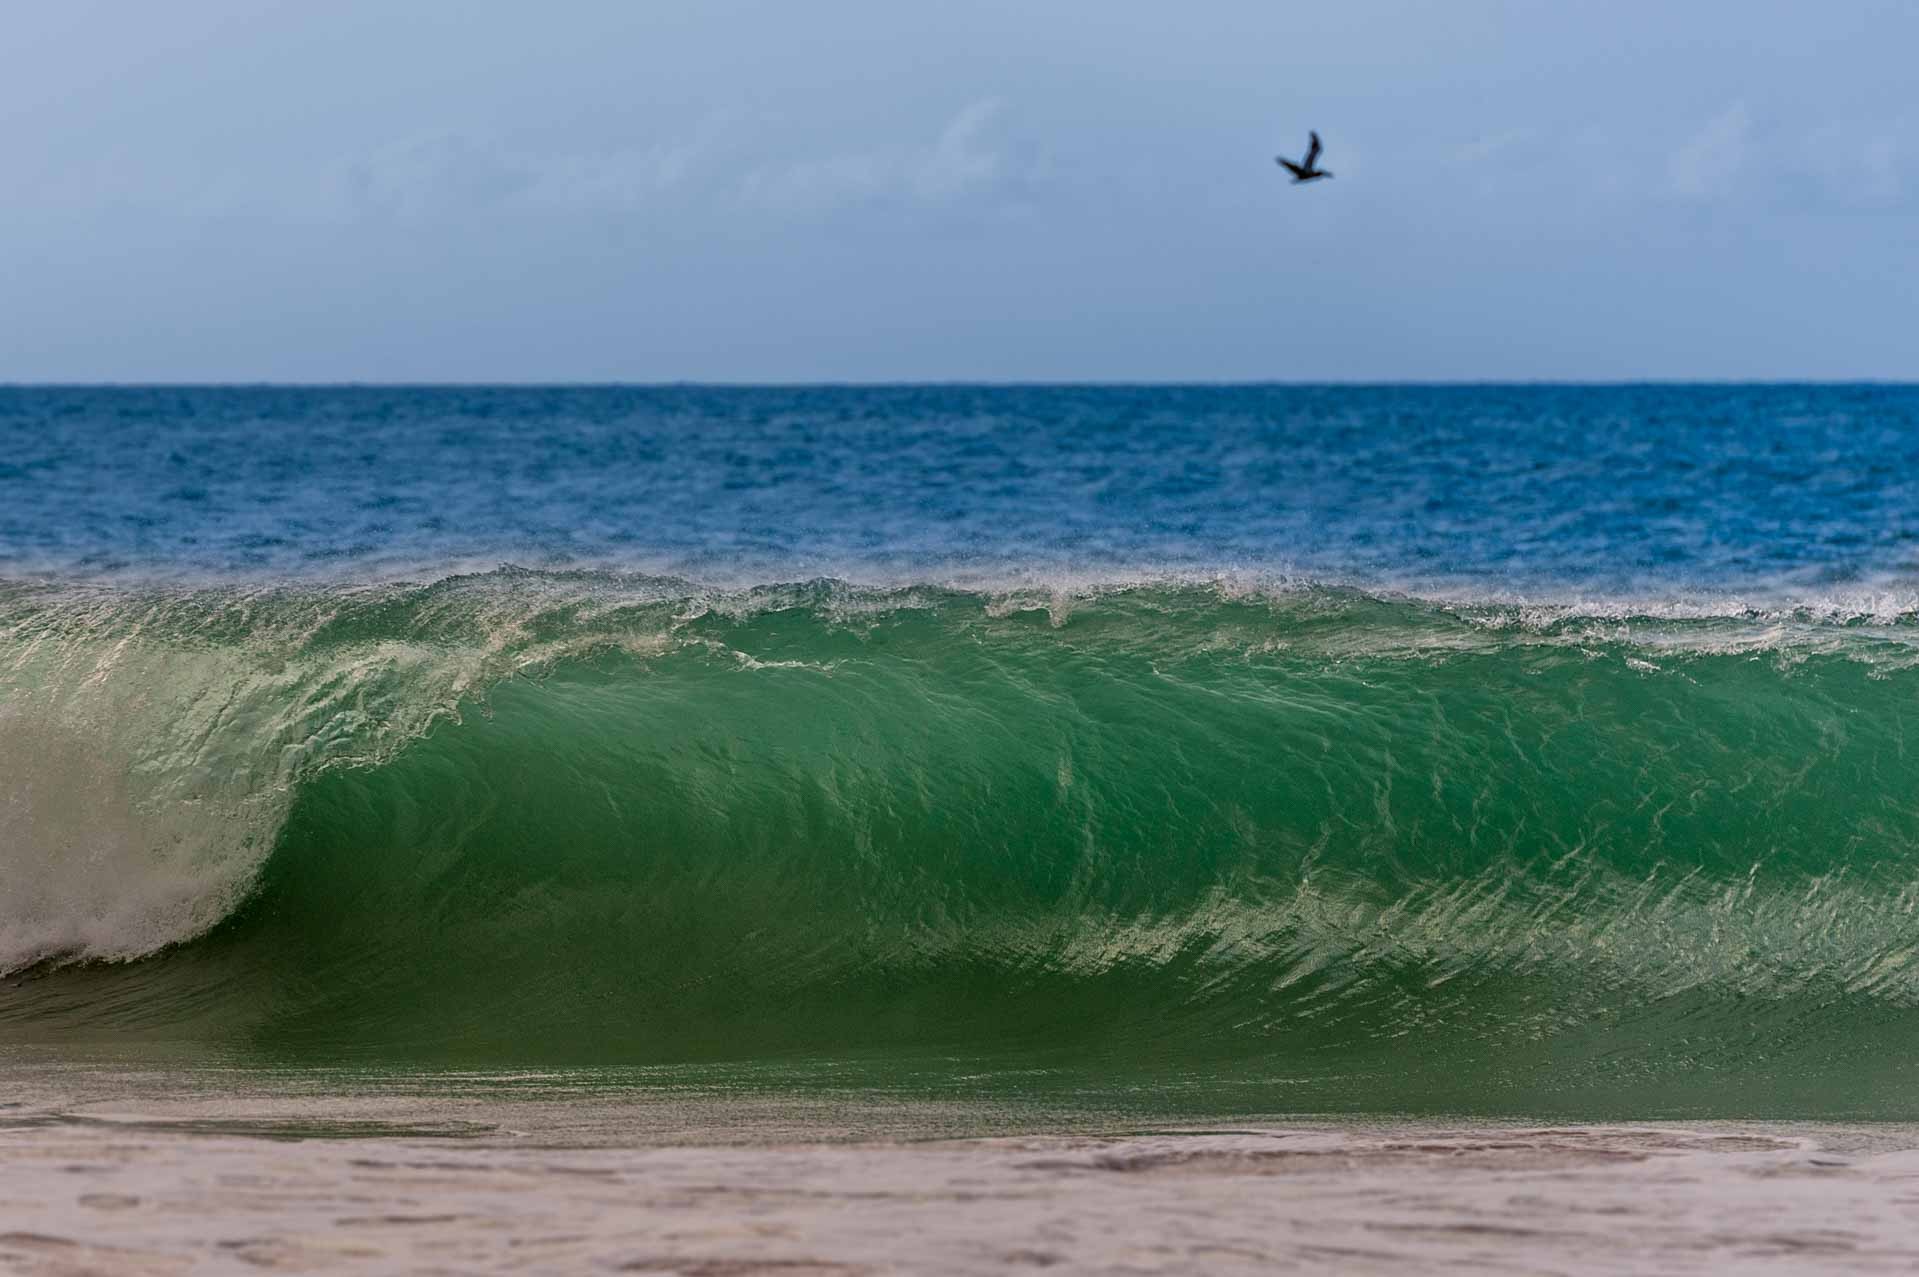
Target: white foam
(150,747)
(99,860)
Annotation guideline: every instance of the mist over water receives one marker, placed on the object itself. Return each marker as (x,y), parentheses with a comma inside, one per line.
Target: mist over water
(1507,749)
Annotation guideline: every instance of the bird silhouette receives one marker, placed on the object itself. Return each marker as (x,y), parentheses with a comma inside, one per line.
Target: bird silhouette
(1306,170)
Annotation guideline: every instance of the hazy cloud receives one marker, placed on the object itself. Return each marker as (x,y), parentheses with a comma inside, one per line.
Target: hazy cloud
(437,173)
(1484,148)
(1859,166)
(960,161)
(449,174)
(1710,161)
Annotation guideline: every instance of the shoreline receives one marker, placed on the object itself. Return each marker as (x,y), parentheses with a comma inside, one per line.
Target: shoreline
(112,1176)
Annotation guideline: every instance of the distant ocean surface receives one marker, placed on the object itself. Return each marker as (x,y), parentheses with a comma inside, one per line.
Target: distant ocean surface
(1488,749)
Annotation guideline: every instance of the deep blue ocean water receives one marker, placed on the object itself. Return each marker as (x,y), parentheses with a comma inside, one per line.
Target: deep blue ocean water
(1622,489)
(1503,749)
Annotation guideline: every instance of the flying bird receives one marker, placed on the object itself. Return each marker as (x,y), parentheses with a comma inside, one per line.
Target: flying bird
(1306,170)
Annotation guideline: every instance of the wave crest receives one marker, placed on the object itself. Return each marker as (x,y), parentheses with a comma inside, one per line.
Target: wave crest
(578,813)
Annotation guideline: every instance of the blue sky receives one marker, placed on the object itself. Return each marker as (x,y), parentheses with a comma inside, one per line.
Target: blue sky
(655,190)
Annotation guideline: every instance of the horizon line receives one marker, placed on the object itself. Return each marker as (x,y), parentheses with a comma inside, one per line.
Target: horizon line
(965,383)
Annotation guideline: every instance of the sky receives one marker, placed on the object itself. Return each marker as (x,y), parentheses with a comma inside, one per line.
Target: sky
(871,190)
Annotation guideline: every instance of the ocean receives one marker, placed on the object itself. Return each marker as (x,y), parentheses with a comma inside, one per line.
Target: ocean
(1024,760)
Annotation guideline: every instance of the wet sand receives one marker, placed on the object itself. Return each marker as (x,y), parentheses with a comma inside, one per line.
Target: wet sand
(193,1180)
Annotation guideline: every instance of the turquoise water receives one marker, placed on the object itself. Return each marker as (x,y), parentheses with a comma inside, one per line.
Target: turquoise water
(1070,785)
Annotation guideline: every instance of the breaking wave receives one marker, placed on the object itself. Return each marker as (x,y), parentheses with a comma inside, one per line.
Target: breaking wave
(1282,829)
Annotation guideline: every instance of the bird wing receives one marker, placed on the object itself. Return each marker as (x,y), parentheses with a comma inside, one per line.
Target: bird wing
(1289,166)
(1312,152)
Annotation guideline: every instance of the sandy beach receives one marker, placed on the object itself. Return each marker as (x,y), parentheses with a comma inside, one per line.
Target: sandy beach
(529,1176)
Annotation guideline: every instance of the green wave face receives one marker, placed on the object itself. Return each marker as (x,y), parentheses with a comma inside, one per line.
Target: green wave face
(1319,848)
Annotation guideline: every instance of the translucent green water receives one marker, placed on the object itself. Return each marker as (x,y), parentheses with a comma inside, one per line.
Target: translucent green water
(1283,849)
